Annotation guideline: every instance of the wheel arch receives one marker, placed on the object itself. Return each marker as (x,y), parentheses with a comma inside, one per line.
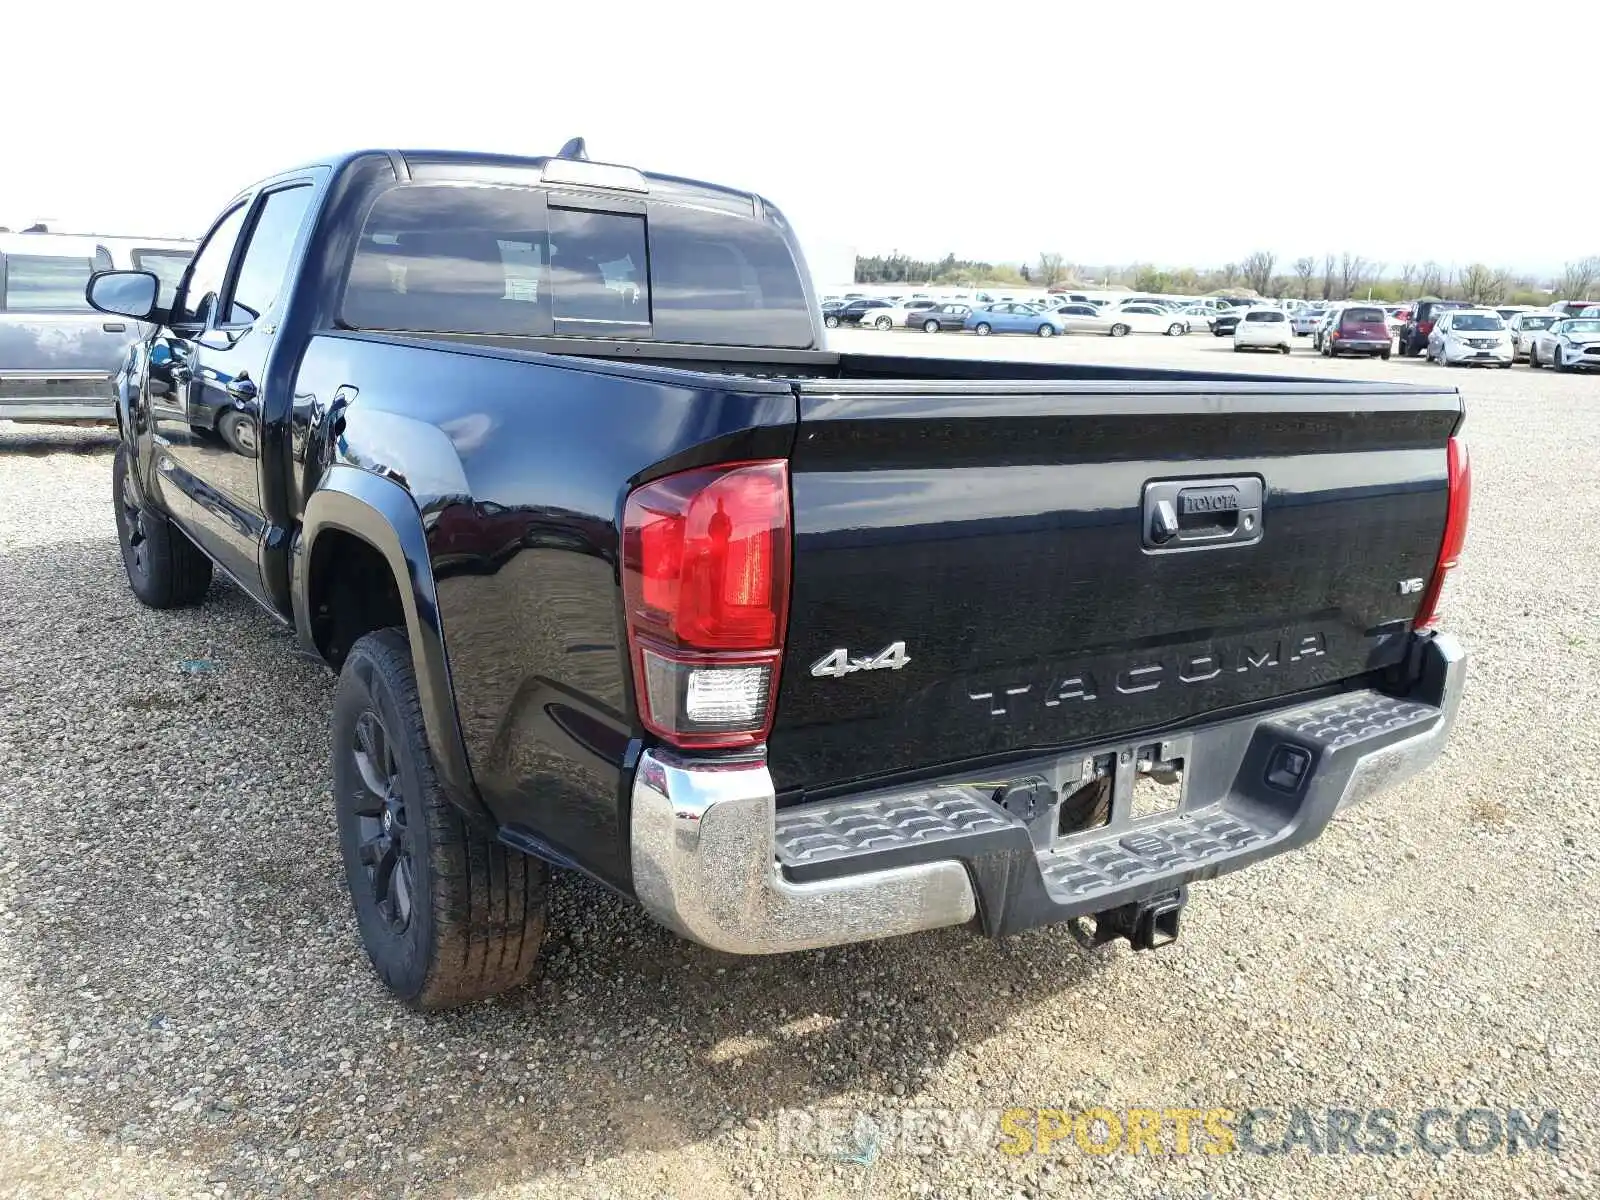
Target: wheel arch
(360,562)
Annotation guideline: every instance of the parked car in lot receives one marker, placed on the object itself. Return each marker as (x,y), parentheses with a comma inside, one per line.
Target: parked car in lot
(1013,317)
(58,357)
(853,312)
(902,314)
(1571,308)
(1569,344)
(1082,318)
(1360,329)
(1143,318)
(603,551)
(1523,326)
(1330,318)
(1414,333)
(1263,329)
(1306,318)
(943,316)
(1470,337)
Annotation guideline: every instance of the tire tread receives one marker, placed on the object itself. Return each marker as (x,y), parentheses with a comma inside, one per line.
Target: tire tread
(179,572)
(488,900)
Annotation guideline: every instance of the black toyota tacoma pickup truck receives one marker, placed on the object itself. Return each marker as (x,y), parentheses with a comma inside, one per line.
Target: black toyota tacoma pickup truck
(621,570)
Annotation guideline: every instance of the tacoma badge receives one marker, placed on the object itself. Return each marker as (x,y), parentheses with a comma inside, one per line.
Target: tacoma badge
(838,663)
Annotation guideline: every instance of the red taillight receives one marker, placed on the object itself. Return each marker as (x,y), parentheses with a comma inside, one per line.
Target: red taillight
(705,580)
(1455,531)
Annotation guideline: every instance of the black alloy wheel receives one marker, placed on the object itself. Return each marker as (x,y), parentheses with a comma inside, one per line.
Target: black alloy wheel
(380,807)
(131,530)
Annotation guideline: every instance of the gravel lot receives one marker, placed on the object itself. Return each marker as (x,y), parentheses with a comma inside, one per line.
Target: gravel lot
(185,1010)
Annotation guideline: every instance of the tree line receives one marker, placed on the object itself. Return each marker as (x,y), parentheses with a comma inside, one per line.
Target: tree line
(1343,276)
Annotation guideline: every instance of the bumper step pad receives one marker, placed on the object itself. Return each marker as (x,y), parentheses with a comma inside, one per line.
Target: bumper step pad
(1231,815)
(1144,852)
(1353,718)
(886,828)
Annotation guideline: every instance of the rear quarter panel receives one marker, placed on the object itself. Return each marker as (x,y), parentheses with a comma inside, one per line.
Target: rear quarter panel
(519,465)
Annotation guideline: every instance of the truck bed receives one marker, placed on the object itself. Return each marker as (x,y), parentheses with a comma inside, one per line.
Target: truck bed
(798,365)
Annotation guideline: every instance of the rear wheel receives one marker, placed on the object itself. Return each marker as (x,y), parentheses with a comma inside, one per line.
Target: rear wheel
(883,323)
(1047,331)
(930,327)
(983,329)
(831,321)
(238,430)
(165,569)
(447,914)
(1285,349)
(1176,329)
(1120,330)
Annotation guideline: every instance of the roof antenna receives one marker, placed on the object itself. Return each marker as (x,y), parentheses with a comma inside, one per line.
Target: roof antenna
(574,149)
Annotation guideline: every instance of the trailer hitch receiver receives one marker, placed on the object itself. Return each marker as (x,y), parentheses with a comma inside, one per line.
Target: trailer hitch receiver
(1147,924)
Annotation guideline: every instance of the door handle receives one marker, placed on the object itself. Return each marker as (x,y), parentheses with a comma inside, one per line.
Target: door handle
(242,389)
(1196,514)
(113,327)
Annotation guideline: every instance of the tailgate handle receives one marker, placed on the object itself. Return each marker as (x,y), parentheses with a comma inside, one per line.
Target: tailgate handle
(1201,514)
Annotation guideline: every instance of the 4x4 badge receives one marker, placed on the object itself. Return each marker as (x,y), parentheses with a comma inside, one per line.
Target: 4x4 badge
(837,663)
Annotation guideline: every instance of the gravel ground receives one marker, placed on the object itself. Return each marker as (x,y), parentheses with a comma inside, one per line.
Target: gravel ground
(185,1010)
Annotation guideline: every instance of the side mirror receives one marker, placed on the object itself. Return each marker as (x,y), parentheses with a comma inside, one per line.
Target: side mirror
(125,294)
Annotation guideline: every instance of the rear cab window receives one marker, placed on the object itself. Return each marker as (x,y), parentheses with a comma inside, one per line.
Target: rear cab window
(499,259)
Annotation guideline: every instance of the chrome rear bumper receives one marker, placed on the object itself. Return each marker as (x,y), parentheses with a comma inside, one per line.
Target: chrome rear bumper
(713,861)
(703,865)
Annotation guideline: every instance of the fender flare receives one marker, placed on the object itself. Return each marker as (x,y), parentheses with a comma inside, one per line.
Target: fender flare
(383,514)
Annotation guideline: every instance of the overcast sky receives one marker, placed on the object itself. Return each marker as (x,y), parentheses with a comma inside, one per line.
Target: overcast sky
(1178,133)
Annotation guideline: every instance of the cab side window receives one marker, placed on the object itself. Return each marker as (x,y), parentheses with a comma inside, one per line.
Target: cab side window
(204,285)
(265,265)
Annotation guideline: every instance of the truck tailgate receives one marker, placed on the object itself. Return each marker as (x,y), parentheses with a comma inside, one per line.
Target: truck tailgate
(1010,535)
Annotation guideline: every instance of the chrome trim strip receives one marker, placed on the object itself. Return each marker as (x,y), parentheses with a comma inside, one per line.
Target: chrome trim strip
(704,866)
